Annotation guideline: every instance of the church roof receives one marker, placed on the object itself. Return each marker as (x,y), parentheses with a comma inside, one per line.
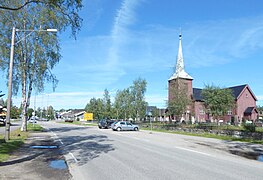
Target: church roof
(236,90)
(197,94)
(249,110)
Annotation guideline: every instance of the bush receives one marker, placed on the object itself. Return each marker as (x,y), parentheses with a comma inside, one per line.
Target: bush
(249,127)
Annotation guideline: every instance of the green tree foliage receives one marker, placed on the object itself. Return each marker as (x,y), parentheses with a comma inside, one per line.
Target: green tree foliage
(155,112)
(180,100)
(138,90)
(107,104)
(15,112)
(128,103)
(218,100)
(50,113)
(123,103)
(37,53)
(95,106)
(30,112)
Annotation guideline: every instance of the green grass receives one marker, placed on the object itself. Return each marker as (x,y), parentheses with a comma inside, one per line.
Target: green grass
(208,135)
(17,139)
(81,123)
(34,127)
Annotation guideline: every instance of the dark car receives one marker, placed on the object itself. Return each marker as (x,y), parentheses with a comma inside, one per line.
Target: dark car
(105,124)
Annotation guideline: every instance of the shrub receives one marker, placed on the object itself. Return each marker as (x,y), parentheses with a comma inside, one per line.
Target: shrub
(249,127)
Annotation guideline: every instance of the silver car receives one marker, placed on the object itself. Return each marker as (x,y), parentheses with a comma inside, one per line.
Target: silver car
(124,126)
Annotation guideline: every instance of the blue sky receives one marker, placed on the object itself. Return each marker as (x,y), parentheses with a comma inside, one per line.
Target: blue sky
(122,40)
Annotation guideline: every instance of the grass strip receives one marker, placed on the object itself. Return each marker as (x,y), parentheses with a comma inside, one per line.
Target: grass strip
(207,135)
(80,123)
(17,139)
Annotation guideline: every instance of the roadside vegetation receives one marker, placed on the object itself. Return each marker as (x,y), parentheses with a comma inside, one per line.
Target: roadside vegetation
(166,128)
(17,139)
(94,123)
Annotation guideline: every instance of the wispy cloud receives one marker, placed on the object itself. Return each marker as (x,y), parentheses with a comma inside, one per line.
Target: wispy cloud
(62,99)
(219,42)
(124,18)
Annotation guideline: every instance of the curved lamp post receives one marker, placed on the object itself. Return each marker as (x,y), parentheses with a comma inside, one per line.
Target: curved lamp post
(10,79)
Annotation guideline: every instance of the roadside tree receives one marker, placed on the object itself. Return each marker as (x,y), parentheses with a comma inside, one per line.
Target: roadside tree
(95,106)
(218,101)
(107,105)
(36,55)
(138,90)
(123,104)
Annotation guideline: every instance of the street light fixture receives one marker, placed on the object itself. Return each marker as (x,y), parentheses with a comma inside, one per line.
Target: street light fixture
(10,79)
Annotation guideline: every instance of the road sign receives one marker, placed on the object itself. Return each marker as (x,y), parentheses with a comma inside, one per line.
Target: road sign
(88,116)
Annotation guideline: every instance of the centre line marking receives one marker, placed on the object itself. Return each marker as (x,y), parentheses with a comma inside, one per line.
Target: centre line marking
(193,151)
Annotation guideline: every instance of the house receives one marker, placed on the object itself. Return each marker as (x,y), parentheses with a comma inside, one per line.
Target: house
(245,107)
(76,114)
(158,114)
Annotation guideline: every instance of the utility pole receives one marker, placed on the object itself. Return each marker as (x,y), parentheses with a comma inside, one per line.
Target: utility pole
(10,79)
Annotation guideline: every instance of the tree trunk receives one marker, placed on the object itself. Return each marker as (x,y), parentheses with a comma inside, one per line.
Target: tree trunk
(24,106)
(24,86)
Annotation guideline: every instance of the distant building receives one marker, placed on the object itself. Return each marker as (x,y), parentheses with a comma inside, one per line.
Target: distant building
(76,114)
(245,99)
(158,114)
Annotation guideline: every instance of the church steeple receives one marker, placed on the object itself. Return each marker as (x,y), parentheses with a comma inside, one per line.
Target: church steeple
(180,72)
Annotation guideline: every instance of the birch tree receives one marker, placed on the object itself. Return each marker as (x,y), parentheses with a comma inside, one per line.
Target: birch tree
(38,53)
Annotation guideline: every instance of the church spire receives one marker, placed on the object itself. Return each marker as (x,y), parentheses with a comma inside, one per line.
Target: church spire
(180,72)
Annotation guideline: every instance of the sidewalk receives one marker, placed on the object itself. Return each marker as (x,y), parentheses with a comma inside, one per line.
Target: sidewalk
(244,149)
(36,163)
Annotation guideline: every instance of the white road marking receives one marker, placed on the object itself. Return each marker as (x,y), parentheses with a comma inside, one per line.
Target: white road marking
(193,151)
(73,157)
(60,141)
(55,136)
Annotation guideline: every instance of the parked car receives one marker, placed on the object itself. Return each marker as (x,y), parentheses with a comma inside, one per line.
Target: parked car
(2,122)
(105,124)
(124,126)
(32,120)
(69,120)
(2,115)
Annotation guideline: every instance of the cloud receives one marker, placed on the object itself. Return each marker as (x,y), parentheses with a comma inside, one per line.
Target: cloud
(220,42)
(61,99)
(124,18)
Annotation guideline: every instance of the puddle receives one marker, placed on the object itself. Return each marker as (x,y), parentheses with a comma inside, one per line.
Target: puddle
(58,164)
(44,147)
(260,158)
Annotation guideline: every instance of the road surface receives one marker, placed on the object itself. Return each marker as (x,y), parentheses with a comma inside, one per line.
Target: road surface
(94,153)
(14,125)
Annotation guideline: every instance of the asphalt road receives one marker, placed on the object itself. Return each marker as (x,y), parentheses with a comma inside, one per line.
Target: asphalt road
(14,125)
(94,153)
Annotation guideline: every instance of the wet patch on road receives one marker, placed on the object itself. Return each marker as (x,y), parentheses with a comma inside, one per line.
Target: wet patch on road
(260,158)
(44,147)
(58,164)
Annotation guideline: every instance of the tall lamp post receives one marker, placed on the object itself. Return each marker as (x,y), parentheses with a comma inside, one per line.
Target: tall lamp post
(10,79)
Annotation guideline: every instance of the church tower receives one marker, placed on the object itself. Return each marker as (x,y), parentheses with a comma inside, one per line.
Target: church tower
(180,81)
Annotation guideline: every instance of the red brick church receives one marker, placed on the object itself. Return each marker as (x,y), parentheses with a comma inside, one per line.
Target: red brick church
(245,99)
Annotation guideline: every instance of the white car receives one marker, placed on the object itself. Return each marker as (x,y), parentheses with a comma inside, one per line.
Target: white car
(32,120)
(124,126)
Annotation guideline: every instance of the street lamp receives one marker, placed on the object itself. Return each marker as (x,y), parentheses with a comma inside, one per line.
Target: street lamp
(10,79)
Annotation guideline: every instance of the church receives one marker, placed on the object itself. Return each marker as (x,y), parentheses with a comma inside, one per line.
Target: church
(245,100)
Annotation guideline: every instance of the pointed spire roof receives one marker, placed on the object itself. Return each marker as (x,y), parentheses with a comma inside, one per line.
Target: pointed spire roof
(180,72)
